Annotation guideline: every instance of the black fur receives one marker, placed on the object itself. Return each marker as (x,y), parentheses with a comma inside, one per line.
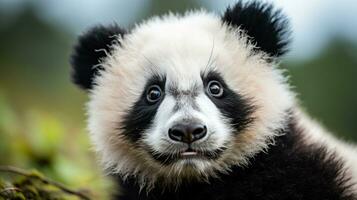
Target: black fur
(139,117)
(290,170)
(231,104)
(89,51)
(267,27)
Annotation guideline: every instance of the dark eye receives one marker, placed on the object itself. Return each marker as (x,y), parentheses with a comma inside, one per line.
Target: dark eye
(153,94)
(215,89)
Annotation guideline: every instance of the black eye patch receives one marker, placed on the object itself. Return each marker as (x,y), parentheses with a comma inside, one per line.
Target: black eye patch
(140,115)
(231,104)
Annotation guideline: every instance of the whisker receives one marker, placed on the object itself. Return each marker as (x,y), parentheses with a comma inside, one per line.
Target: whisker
(210,58)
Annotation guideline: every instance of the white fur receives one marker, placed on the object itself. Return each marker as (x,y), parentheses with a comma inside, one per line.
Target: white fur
(180,47)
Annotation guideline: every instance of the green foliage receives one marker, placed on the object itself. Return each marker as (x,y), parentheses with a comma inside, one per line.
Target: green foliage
(40,140)
(327,86)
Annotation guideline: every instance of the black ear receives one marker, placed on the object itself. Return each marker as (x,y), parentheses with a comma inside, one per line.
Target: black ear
(266,27)
(92,46)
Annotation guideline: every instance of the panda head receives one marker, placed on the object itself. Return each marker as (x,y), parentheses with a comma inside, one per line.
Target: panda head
(184,96)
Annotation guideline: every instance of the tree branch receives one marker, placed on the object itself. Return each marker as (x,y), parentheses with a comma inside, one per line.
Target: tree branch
(15,170)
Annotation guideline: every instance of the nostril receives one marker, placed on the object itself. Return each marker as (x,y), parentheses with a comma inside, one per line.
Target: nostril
(199,132)
(176,134)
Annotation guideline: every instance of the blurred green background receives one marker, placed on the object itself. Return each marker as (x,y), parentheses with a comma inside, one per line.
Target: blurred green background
(42,117)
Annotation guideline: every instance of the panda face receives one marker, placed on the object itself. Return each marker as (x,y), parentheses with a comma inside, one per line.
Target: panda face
(187,123)
(181,97)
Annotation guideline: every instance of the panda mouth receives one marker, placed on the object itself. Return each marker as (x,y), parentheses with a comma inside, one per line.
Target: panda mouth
(188,154)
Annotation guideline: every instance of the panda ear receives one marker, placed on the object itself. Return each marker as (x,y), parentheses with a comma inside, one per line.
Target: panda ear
(267,28)
(91,47)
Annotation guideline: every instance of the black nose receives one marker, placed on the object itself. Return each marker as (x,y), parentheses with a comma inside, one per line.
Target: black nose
(187,133)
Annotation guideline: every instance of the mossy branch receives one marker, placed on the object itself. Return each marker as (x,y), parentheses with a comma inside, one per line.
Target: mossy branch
(40,177)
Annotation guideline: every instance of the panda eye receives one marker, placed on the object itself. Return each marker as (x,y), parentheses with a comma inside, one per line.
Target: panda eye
(215,89)
(153,94)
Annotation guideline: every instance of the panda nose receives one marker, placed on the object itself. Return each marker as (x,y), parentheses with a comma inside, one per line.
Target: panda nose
(187,133)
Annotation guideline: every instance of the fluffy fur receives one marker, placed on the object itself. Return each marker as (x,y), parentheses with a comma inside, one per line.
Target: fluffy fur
(314,173)
(258,145)
(251,17)
(91,48)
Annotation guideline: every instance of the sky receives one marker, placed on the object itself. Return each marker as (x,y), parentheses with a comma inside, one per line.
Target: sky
(313,22)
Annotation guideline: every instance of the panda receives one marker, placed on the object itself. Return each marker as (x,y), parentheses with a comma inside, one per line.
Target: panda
(194,106)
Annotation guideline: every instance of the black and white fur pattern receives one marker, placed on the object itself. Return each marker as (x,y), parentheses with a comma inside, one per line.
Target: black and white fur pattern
(259,145)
